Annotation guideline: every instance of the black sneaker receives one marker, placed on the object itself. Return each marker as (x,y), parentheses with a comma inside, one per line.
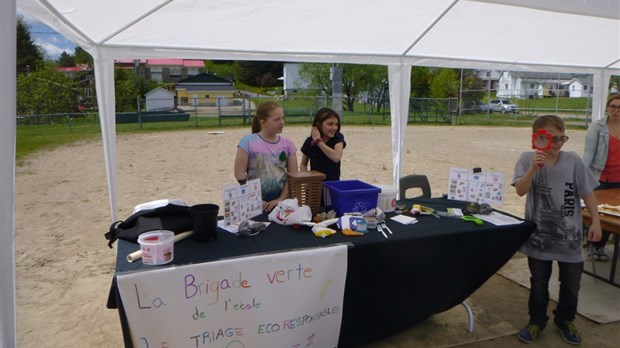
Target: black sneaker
(593,254)
(602,255)
(529,333)
(569,332)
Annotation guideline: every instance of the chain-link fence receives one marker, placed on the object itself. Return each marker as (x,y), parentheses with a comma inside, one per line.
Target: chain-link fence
(301,109)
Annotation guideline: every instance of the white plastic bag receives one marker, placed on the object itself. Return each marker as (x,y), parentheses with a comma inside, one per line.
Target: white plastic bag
(288,212)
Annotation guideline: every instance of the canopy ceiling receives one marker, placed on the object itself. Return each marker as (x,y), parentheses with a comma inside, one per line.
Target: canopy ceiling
(550,35)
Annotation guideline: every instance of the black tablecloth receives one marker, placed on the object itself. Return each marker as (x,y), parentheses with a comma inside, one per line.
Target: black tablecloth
(420,270)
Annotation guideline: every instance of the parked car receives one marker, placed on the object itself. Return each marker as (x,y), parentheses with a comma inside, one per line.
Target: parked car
(503,106)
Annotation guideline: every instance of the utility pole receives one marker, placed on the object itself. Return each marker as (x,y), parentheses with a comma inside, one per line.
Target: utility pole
(335,75)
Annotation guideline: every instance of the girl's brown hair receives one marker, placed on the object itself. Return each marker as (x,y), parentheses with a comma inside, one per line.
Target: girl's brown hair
(323,114)
(263,111)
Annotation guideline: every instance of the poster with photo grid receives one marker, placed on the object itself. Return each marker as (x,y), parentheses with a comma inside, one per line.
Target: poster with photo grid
(242,202)
(476,186)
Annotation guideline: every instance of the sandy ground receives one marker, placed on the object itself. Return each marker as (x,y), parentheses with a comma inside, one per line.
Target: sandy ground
(64,267)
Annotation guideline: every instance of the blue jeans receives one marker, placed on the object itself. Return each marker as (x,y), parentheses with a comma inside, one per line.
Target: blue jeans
(570,277)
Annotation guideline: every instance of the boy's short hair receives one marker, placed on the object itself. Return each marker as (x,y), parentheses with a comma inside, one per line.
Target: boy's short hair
(548,121)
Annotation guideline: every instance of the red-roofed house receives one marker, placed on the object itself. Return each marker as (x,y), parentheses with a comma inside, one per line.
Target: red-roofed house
(163,70)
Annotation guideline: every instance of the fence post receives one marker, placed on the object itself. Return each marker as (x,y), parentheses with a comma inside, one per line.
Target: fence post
(196,110)
(139,112)
(69,121)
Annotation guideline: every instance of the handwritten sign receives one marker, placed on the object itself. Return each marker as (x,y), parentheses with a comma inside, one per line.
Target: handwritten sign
(242,202)
(290,299)
(479,186)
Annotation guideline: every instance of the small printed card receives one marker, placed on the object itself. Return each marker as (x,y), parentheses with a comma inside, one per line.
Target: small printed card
(476,186)
(242,202)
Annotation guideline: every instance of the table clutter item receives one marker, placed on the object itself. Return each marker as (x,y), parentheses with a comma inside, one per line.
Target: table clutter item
(248,228)
(476,208)
(157,247)
(350,225)
(609,209)
(381,221)
(401,207)
(137,255)
(473,219)
(371,222)
(205,221)
(404,219)
(322,231)
(289,212)
(387,198)
(348,196)
(324,215)
(170,215)
(307,187)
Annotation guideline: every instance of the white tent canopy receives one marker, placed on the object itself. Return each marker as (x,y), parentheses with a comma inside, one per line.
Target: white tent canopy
(558,35)
(581,36)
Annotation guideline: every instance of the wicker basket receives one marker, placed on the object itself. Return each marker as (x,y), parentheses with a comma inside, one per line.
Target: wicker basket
(307,187)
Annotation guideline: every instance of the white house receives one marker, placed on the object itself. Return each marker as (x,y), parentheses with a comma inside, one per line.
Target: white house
(159,99)
(522,85)
(292,81)
(577,88)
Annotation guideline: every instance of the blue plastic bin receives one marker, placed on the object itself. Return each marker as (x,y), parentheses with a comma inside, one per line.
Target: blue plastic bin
(349,196)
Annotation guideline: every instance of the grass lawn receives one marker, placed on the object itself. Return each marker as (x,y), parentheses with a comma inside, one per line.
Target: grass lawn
(61,130)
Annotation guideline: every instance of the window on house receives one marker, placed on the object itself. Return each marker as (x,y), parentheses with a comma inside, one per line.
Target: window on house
(585,87)
(175,71)
(206,96)
(192,71)
(184,100)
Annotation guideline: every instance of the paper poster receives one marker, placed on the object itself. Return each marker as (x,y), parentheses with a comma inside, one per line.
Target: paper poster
(289,299)
(475,185)
(242,202)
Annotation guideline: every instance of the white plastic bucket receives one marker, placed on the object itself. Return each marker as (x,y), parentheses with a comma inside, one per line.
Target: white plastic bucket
(387,198)
(157,247)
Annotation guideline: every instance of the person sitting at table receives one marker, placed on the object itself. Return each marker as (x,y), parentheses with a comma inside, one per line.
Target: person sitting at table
(324,147)
(602,156)
(266,155)
(553,181)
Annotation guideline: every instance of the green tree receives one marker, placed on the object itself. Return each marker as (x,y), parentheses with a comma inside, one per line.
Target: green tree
(258,74)
(421,78)
(82,57)
(472,90)
(221,68)
(65,60)
(29,55)
(357,80)
(445,83)
(317,76)
(45,92)
(129,87)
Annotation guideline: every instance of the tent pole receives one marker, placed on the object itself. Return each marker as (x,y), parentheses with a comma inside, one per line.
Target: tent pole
(7,173)
(104,83)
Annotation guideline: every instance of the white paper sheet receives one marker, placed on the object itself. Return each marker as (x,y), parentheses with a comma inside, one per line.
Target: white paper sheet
(498,219)
(405,220)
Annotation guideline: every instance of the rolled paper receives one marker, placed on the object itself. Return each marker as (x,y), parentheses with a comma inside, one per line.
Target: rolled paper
(136,255)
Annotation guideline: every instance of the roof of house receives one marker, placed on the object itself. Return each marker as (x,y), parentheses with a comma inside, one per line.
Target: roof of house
(79,67)
(205,78)
(188,63)
(160,90)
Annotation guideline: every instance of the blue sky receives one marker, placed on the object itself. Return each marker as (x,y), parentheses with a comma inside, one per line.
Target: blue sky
(52,43)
